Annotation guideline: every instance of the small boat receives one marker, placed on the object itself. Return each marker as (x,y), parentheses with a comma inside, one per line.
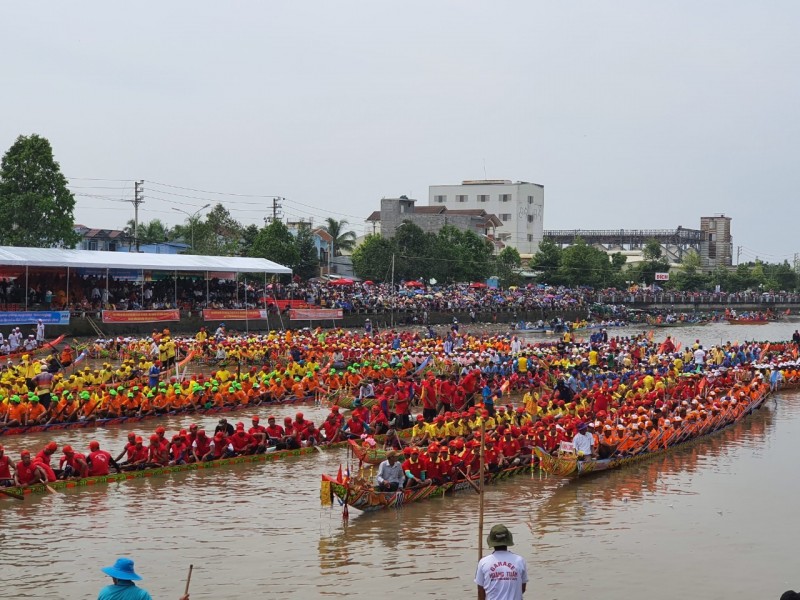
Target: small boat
(360,493)
(46,346)
(566,464)
(681,324)
(746,321)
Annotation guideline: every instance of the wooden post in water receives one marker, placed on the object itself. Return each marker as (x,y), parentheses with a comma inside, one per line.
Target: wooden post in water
(481,472)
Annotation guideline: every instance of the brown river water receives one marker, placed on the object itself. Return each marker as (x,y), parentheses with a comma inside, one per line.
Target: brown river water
(717,519)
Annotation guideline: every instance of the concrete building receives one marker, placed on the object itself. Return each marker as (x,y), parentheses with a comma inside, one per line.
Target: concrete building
(519,206)
(394,211)
(716,249)
(115,240)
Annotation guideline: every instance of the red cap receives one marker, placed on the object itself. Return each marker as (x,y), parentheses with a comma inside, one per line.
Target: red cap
(132,434)
(201,433)
(160,430)
(94,445)
(193,426)
(287,419)
(256,419)
(1,447)
(154,438)
(25,453)
(51,446)
(139,439)
(67,450)
(299,416)
(334,408)
(271,418)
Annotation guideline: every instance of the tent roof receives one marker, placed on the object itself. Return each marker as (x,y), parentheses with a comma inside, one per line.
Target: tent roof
(98,259)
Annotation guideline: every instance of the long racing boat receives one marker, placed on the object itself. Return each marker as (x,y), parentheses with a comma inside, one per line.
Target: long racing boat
(571,465)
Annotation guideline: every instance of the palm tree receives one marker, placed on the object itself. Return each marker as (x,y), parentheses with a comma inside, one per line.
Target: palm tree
(342,240)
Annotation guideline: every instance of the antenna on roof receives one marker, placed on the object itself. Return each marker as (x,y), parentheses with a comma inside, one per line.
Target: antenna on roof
(484,169)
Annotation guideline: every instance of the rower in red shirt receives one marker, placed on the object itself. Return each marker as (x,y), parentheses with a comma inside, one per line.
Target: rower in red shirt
(242,442)
(139,455)
(50,475)
(354,427)
(46,453)
(259,433)
(331,428)
(414,469)
(98,460)
(201,447)
(274,431)
(27,472)
(509,450)
(158,454)
(128,450)
(73,463)
(291,438)
(5,469)
(179,451)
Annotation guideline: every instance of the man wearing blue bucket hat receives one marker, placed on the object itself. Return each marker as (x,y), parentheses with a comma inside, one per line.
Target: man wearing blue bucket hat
(123,587)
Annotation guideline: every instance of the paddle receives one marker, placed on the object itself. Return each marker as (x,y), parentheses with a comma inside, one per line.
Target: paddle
(188,581)
(469,481)
(11,494)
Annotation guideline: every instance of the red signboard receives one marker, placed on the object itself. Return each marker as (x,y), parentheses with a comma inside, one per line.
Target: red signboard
(315,314)
(233,314)
(140,316)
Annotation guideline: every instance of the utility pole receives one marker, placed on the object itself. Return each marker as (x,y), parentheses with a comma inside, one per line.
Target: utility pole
(276,206)
(138,198)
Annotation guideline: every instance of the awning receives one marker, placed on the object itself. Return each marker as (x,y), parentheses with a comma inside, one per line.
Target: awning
(98,259)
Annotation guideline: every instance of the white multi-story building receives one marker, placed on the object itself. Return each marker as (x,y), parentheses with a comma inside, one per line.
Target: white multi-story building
(518,204)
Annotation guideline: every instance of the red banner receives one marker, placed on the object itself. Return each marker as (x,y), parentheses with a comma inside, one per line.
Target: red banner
(233,314)
(140,316)
(315,314)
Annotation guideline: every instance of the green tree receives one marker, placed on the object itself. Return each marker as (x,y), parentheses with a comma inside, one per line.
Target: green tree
(652,250)
(582,264)
(307,259)
(372,259)
(342,240)
(219,234)
(689,276)
(276,243)
(249,235)
(547,261)
(508,261)
(36,208)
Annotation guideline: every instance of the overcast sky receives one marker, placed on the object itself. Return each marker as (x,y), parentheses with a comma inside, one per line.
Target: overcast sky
(631,114)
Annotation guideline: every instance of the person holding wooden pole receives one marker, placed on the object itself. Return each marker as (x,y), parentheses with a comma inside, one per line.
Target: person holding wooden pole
(502,575)
(124,588)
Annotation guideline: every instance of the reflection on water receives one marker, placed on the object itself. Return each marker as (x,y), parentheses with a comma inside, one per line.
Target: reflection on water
(707,517)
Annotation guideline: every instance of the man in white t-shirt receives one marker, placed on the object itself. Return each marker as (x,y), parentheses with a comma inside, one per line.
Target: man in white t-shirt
(583,442)
(699,356)
(502,575)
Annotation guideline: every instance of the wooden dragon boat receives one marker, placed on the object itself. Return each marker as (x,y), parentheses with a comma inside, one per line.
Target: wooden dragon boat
(164,471)
(359,493)
(369,456)
(114,421)
(38,350)
(748,321)
(567,465)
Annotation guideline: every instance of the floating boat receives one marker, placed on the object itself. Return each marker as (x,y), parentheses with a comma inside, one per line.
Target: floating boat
(111,422)
(39,349)
(360,494)
(748,321)
(567,465)
(163,471)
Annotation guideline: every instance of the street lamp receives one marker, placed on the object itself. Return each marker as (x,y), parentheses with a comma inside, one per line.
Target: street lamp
(191,218)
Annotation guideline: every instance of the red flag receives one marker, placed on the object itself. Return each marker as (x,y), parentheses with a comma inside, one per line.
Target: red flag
(339,475)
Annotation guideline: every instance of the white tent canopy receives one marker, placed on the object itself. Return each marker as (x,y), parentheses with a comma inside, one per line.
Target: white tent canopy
(95,259)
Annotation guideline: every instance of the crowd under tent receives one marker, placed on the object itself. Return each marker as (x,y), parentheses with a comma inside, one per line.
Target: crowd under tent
(16,262)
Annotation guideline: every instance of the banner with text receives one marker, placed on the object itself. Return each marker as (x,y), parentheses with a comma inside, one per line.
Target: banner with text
(233,314)
(140,316)
(14,317)
(662,276)
(315,314)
